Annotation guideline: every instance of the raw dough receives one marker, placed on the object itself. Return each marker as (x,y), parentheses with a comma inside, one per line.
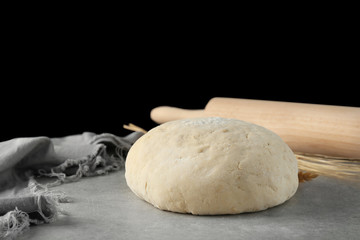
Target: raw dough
(210,166)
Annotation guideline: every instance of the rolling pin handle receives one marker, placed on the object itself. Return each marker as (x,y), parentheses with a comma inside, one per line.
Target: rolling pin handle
(165,113)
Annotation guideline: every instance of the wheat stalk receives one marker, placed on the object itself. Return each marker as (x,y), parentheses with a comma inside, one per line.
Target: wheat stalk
(133,127)
(306,176)
(345,168)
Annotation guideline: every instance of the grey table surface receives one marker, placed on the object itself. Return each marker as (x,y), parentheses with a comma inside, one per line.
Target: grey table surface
(105,208)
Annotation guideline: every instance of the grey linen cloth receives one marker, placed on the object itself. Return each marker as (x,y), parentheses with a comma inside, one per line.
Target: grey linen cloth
(24,201)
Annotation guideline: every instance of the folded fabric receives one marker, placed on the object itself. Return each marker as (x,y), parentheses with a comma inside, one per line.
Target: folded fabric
(23,201)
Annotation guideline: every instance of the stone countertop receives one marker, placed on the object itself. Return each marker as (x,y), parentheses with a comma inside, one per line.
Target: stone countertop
(105,208)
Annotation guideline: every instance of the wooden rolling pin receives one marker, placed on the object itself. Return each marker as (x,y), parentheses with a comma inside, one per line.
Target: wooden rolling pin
(307,128)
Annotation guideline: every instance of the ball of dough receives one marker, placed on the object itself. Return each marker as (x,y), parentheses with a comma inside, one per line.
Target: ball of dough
(211,166)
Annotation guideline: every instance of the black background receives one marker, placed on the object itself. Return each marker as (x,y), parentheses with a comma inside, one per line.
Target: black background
(100,105)
(72,80)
